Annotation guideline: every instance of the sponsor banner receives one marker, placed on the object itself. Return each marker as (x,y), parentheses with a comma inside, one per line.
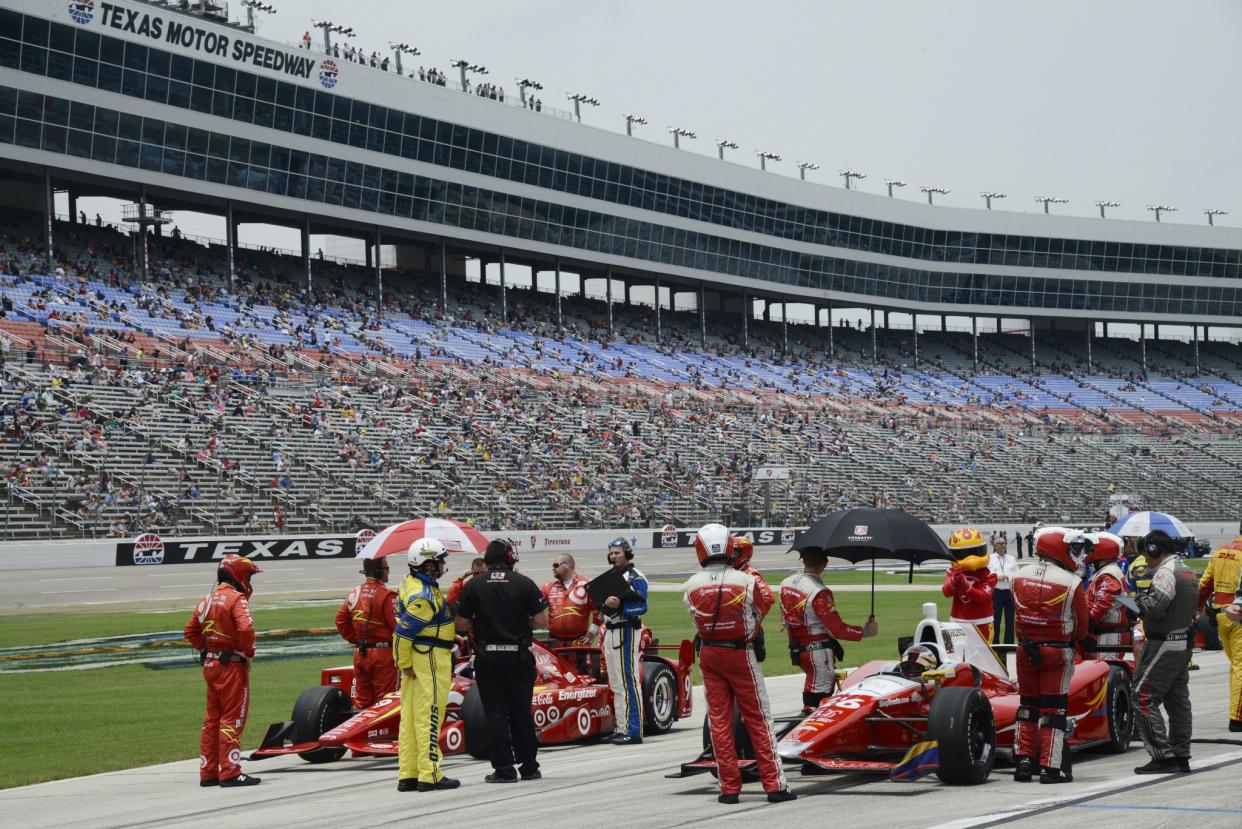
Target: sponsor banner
(570,541)
(671,537)
(150,549)
(181,33)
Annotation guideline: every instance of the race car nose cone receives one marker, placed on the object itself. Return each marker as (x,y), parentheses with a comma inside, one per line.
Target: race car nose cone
(791,751)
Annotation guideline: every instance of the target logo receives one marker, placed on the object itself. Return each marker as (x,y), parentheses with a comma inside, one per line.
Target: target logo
(82,12)
(328,73)
(584,721)
(149,549)
(202,761)
(540,717)
(452,739)
(234,757)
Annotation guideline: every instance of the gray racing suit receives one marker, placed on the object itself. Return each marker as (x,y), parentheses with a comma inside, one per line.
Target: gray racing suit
(1168,609)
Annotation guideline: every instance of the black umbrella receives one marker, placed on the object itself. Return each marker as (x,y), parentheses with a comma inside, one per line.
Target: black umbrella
(867,533)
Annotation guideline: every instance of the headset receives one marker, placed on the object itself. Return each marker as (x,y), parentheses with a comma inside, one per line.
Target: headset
(510,551)
(625,548)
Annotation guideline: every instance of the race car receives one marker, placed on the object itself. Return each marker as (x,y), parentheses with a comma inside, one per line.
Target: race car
(571,701)
(882,719)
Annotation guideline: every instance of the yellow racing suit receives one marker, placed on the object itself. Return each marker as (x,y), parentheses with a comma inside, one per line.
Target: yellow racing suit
(1220,583)
(422,645)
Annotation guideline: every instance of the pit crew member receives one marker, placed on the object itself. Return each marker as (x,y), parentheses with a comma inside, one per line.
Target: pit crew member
(1111,626)
(366,620)
(721,601)
(969,582)
(573,618)
(221,630)
(809,616)
(1167,608)
(1219,584)
(1051,615)
(476,566)
(422,648)
(743,551)
(503,608)
(622,628)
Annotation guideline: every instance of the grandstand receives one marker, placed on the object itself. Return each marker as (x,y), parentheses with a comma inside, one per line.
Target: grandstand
(189,386)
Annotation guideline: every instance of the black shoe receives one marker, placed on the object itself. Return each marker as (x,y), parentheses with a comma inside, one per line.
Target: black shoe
(627,741)
(1164,766)
(1183,764)
(781,796)
(442,783)
(215,781)
(1047,775)
(1025,770)
(727,798)
(508,776)
(408,784)
(239,780)
(531,774)
(1235,725)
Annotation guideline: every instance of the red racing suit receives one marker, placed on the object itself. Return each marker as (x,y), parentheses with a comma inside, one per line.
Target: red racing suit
(809,616)
(221,629)
(572,618)
(1108,621)
(366,620)
(971,592)
(721,601)
(1051,616)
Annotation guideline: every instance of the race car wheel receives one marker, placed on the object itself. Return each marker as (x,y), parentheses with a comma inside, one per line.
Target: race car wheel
(317,711)
(741,743)
(1120,710)
(659,697)
(474,722)
(960,720)
(1211,635)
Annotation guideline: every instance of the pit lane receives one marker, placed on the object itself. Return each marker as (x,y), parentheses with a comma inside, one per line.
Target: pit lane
(629,787)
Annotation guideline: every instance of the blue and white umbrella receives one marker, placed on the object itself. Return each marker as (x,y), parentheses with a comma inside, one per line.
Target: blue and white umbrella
(1138,524)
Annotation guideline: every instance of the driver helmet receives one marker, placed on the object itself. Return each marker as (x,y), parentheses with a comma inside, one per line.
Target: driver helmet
(237,571)
(425,551)
(919,659)
(743,549)
(1105,548)
(713,544)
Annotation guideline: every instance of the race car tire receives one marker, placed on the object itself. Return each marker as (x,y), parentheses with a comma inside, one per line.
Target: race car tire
(474,723)
(1120,711)
(1211,635)
(741,741)
(318,710)
(659,697)
(961,722)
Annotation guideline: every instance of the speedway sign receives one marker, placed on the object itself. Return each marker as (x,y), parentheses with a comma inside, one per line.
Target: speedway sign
(149,549)
(671,537)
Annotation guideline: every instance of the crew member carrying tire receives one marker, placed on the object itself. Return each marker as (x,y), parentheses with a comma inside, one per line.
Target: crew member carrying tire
(1111,626)
(1051,618)
(1220,583)
(721,601)
(809,616)
(366,620)
(222,632)
(969,582)
(422,648)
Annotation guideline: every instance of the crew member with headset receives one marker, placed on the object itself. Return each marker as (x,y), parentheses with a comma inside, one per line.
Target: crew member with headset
(622,632)
(721,601)
(809,616)
(504,608)
(366,620)
(422,648)
(1051,616)
(222,632)
(1167,608)
(1220,584)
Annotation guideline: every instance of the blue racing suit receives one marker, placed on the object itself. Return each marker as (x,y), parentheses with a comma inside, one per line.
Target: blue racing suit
(622,632)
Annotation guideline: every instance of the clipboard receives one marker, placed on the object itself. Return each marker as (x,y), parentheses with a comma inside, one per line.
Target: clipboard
(611,582)
(1128,603)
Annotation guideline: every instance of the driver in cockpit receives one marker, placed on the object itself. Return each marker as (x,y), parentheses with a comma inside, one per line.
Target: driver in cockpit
(917,660)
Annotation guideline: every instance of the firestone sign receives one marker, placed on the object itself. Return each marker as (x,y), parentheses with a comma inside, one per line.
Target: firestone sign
(185,36)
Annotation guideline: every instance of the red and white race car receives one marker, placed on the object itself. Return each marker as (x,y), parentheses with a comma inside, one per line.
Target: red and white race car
(881,719)
(571,701)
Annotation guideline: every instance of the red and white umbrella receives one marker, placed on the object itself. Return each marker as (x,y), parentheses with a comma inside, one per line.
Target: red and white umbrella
(396,540)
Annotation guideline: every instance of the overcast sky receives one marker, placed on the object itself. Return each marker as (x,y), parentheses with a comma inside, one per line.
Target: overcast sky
(1128,100)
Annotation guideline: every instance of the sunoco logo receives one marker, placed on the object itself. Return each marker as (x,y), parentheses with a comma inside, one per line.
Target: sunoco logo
(328,73)
(149,549)
(82,12)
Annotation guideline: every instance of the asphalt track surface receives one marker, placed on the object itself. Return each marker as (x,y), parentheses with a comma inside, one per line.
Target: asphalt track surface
(183,584)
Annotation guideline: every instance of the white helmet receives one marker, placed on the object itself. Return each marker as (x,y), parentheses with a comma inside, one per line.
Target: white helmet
(424,550)
(713,543)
